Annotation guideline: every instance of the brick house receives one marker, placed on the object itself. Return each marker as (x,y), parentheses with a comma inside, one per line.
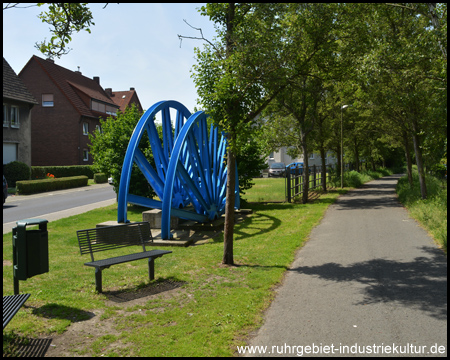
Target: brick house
(17,104)
(124,98)
(69,107)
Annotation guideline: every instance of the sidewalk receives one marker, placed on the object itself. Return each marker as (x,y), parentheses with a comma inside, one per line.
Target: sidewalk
(369,276)
(52,216)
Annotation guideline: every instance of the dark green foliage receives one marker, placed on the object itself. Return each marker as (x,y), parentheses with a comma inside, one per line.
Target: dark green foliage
(100,178)
(250,164)
(109,147)
(37,186)
(40,172)
(16,171)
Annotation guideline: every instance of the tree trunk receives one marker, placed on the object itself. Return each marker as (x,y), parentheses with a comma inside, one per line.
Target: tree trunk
(408,157)
(418,152)
(305,172)
(356,154)
(229,210)
(231,158)
(324,168)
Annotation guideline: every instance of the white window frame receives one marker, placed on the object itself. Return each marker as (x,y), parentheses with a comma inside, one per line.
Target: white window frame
(47,100)
(85,155)
(85,128)
(5,116)
(14,119)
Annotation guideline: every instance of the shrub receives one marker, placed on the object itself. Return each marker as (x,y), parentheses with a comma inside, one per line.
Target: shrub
(37,186)
(16,171)
(109,147)
(432,212)
(100,178)
(39,172)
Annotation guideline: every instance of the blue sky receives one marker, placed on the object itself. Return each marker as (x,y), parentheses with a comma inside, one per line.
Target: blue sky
(131,45)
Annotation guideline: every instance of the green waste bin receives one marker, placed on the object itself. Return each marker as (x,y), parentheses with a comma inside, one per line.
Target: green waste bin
(30,250)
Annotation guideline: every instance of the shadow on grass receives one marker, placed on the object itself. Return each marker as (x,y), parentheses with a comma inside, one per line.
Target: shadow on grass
(15,345)
(57,311)
(159,286)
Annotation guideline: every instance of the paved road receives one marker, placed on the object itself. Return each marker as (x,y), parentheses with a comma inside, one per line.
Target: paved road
(369,275)
(56,204)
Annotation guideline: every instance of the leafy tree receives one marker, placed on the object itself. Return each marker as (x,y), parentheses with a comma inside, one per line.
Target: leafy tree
(408,66)
(109,146)
(64,19)
(236,76)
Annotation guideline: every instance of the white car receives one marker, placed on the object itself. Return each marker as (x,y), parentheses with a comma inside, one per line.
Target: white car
(277,169)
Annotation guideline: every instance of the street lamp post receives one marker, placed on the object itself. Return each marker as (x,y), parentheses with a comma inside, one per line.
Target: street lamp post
(342,146)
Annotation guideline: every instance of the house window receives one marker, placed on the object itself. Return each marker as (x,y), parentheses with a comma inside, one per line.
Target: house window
(85,128)
(98,128)
(98,106)
(5,116)
(85,155)
(47,100)
(14,116)
(311,157)
(271,155)
(103,108)
(110,110)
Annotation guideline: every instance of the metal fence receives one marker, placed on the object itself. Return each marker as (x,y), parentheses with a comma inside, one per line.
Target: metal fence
(295,179)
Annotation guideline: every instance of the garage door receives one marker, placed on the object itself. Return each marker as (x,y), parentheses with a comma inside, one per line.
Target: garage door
(9,152)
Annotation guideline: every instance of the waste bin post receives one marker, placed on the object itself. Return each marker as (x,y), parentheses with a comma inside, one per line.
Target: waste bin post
(26,246)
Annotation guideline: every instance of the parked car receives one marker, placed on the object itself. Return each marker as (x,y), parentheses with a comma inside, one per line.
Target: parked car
(296,165)
(5,189)
(277,169)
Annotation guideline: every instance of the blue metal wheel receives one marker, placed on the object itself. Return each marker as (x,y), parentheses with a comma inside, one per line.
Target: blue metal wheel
(190,176)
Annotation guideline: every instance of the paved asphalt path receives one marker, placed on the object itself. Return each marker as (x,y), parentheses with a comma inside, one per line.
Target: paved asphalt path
(56,205)
(369,275)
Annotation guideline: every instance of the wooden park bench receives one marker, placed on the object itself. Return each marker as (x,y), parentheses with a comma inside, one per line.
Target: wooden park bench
(11,305)
(114,237)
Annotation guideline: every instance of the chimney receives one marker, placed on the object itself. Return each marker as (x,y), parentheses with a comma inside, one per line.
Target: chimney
(78,71)
(131,88)
(96,79)
(108,92)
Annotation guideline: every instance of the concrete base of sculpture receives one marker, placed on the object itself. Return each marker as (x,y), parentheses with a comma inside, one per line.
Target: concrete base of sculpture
(153,216)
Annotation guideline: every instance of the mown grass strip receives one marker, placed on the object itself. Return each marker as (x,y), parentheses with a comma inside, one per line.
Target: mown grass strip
(208,315)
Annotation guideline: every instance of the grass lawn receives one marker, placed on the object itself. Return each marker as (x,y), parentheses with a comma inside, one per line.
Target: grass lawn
(211,309)
(432,212)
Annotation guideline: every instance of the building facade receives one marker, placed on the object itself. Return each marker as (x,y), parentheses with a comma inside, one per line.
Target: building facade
(17,104)
(69,108)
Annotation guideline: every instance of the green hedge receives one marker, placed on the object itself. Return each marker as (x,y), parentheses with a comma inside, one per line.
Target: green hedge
(37,186)
(100,178)
(39,172)
(16,171)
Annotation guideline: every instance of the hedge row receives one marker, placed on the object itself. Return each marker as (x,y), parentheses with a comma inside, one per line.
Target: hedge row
(40,172)
(100,178)
(37,186)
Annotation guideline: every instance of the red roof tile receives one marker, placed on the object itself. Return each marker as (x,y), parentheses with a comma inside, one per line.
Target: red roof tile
(66,80)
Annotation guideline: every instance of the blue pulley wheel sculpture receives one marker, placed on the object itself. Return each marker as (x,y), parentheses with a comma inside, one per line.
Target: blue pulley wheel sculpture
(190,172)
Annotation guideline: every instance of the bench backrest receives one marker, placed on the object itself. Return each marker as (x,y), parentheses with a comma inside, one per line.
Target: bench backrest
(114,237)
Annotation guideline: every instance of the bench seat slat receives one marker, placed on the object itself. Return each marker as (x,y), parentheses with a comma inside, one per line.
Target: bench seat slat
(11,305)
(127,258)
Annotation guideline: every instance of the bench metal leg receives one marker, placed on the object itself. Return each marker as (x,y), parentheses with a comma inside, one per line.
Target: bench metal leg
(151,268)
(98,279)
